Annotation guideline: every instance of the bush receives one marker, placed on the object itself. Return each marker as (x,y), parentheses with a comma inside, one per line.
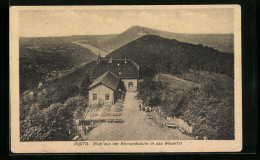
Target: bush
(156,101)
(84,85)
(121,91)
(53,122)
(149,91)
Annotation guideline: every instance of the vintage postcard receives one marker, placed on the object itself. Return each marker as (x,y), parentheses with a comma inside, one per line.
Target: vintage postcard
(125,79)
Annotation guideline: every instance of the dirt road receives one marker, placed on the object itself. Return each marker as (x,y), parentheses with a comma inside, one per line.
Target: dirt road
(135,126)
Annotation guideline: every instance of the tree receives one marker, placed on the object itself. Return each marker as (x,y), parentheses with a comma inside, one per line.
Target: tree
(84,85)
(149,91)
(121,91)
(48,124)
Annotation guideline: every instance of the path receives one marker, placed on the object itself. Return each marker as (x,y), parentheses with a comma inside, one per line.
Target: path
(135,127)
(175,82)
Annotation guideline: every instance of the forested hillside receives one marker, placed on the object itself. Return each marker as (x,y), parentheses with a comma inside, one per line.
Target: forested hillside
(49,61)
(155,54)
(48,112)
(205,98)
(207,107)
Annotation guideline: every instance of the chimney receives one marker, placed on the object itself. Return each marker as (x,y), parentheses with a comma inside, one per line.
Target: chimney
(110,60)
(125,61)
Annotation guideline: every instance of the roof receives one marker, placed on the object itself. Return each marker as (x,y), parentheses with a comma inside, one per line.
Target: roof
(108,79)
(117,67)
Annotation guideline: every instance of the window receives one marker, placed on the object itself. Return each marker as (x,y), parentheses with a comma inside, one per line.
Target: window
(94,96)
(106,96)
(130,84)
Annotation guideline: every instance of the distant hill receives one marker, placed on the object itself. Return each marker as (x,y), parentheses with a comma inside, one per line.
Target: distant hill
(221,42)
(155,54)
(39,41)
(109,43)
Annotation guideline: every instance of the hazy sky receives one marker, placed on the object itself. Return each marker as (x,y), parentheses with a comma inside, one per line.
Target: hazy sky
(42,23)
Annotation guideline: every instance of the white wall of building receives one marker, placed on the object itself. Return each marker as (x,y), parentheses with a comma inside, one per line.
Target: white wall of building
(101,91)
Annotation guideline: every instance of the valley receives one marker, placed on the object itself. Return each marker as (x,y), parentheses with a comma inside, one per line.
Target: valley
(111,42)
(46,62)
(186,76)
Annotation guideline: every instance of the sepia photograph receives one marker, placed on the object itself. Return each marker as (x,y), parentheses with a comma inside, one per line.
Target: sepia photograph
(125,79)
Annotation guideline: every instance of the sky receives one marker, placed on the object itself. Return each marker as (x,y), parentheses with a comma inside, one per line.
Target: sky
(45,23)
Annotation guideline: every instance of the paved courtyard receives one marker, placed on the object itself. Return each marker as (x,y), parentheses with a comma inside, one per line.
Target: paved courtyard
(134,127)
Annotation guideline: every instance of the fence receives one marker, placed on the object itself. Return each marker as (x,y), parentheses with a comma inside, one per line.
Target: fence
(183,126)
(173,122)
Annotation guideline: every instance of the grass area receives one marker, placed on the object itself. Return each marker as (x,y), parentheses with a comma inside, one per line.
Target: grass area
(202,77)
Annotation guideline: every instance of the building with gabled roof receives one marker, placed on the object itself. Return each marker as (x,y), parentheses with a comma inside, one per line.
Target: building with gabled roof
(125,69)
(108,79)
(122,68)
(102,90)
(107,74)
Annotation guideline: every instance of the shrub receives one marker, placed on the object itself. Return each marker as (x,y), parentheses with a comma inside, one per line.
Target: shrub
(121,91)
(149,91)
(84,85)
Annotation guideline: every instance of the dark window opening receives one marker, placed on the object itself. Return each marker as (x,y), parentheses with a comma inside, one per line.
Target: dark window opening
(130,84)
(94,96)
(106,96)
